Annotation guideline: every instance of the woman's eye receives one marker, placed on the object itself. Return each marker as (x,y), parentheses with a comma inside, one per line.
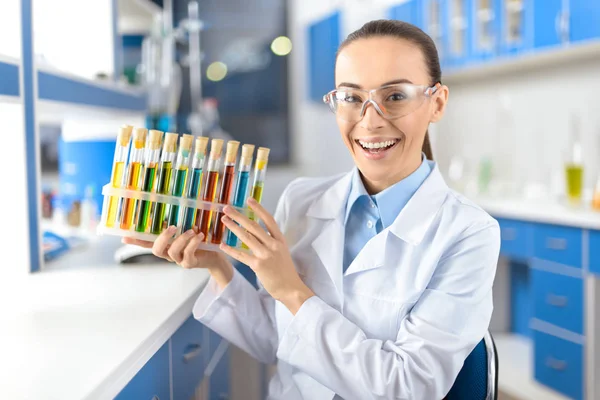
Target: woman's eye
(350,99)
(397,97)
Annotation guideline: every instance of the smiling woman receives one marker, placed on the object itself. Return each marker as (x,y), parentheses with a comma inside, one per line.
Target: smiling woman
(375,284)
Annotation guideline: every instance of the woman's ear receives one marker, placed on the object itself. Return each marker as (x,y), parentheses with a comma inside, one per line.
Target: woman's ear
(439,100)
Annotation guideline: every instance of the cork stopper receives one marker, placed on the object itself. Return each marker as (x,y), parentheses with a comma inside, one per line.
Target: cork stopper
(201,145)
(155,139)
(216,147)
(262,157)
(247,153)
(170,145)
(232,150)
(185,144)
(139,137)
(124,135)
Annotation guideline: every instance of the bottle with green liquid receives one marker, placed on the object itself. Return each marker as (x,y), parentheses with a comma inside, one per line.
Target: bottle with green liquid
(181,175)
(574,167)
(164,181)
(151,159)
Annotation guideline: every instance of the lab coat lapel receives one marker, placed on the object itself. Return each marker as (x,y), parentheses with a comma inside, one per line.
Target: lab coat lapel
(410,225)
(329,243)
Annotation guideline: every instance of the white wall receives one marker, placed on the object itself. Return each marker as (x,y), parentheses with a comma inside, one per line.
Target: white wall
(527,148)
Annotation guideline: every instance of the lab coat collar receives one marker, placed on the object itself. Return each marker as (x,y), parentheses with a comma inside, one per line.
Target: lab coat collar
(417,216)
(332,202)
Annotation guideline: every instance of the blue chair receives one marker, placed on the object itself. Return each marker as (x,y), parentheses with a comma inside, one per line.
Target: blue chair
(478,378)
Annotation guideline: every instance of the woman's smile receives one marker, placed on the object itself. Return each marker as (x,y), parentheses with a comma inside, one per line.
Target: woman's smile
(376,148)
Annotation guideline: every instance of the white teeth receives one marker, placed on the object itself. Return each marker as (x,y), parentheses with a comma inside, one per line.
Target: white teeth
(378,145)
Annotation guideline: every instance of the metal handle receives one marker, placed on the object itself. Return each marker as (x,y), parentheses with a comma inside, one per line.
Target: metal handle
(558,244)
(192,351)
(509,234)
(556,301)
(558,365)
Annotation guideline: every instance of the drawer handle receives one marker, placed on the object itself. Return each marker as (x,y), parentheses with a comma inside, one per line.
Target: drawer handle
(558,365)
(192,351)
(556,301)
(509,234)
(558,244)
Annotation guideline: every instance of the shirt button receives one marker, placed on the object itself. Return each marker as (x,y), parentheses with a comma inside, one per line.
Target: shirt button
(372,205)
(369,224)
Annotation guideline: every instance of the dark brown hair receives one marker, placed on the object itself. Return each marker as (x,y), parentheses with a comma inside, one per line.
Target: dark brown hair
(406,31)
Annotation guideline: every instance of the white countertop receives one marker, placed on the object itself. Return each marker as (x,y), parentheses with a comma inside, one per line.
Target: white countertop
(540,211)
(84,333)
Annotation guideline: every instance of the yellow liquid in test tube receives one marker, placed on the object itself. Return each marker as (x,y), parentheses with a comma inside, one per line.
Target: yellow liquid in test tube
(574,175)
(113,204)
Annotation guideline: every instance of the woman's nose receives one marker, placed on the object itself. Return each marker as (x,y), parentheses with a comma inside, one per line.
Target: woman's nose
(371,119)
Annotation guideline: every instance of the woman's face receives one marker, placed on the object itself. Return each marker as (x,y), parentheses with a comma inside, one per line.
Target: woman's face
(372,63)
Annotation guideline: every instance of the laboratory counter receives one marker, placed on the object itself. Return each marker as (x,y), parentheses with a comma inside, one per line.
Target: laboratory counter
(84,333)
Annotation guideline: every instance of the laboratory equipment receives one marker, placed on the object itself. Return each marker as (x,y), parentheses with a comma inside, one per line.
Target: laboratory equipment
(226,187)
(260,172)
(241,191)
(119,161)
(150,165)
(203,218)
(163,181)
(574,165)
(181,175)
(189,215)
(134,175)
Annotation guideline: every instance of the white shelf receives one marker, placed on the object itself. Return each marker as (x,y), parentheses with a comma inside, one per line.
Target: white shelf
(515,357)
(136,16)
(525,62)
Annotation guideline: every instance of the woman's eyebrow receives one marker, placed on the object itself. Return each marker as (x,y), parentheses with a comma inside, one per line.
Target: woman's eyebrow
(355,86)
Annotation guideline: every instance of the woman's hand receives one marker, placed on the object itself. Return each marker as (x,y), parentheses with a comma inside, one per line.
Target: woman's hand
(270,258)
(184,251)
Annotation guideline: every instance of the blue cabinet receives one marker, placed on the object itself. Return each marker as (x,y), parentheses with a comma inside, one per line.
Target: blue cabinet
(559,244)
(516,27)
(219,379)
(516,239)
(485,17)
(410,11)
(558,299)
(435,25)
(549,21)
(152,382)
(189,350)
(323,41)
(584,19)
(594,252)
(559,364)
(458,15)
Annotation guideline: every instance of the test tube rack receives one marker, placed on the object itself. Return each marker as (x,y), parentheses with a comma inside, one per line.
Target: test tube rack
(108,191)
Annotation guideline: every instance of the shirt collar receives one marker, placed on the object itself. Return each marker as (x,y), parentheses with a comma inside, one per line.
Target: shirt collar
(393,199)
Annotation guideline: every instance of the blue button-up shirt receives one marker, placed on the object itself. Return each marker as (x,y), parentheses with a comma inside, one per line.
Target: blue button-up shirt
(366,215)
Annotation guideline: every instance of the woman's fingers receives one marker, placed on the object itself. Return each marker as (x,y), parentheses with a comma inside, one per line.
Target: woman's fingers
(248,239)
(161,244)
(251,226)
(176,249)
(189,253)
(137,242)
(267,218)
(241,256)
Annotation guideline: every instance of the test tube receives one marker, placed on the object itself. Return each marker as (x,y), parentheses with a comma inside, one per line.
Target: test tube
(163,182)
(210,188)
(189,215)
(226,187)
(134,175)
(260,172)
(181,173)
(241,191)
(150,166)
(119,161)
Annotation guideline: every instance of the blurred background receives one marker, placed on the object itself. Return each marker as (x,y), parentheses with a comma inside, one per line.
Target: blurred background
(521,137)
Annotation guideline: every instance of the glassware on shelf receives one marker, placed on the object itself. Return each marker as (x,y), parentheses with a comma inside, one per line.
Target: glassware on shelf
(574,165)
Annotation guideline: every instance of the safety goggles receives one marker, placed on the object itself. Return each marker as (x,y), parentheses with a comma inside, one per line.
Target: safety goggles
(390,101)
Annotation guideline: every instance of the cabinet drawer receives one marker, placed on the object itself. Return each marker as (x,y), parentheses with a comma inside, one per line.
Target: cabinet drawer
(558,299)
(558,244)
(559,364)
(189,357)
(516,238)
(594,252)
(152,382)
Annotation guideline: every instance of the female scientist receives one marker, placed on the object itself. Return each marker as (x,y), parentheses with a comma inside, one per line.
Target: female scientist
(376,284)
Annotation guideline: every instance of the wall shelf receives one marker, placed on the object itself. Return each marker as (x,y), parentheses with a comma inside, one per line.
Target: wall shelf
(9,71)
(65,88)
(524,62)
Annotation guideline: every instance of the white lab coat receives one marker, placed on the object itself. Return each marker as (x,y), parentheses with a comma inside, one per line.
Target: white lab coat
(398,324)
